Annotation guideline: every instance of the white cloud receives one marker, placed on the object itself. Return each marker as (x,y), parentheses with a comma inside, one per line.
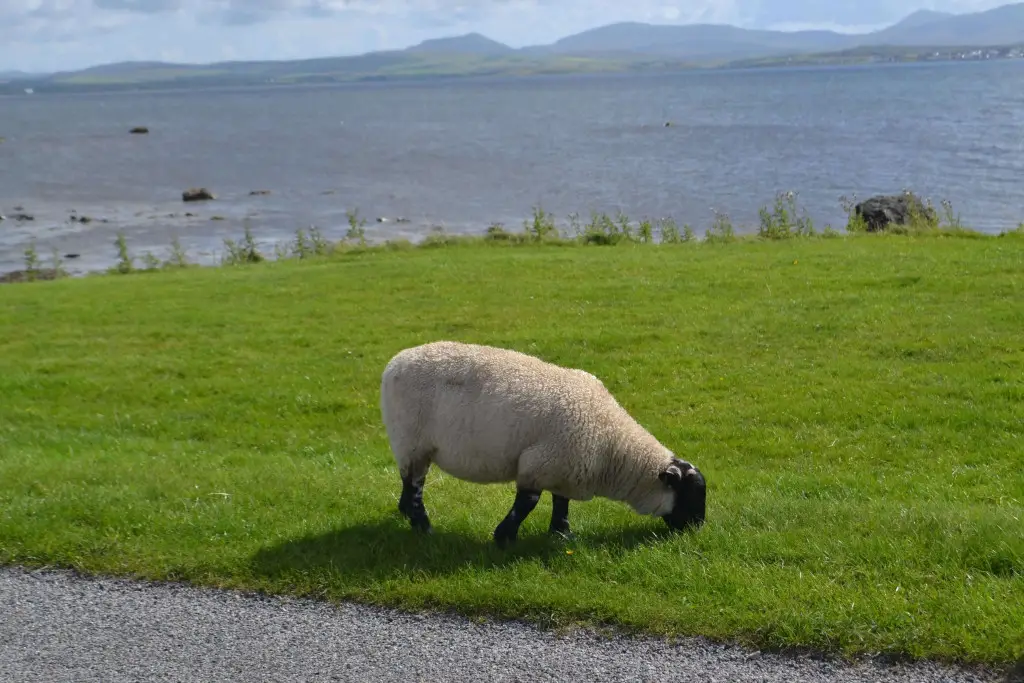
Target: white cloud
(826,26)
(64,34)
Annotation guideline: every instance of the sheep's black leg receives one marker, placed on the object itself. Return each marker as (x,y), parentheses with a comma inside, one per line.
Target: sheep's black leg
(411,502)
(508,530)
(559,516)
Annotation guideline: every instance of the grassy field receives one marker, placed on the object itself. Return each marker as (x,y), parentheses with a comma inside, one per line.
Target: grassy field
(856,403)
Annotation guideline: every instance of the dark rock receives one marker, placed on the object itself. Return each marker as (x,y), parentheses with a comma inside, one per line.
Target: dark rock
(382,220)
(401,219)
(196,194)
(23,217)
(258,193)
(71,256)
(84,219)
(139,130)
(190,215)
(881,211)
(216,218)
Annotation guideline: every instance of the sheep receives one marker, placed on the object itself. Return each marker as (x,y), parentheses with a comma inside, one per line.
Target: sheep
(490,415)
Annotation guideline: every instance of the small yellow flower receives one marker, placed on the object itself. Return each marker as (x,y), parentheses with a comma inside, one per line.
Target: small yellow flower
(794,262)
(568,552)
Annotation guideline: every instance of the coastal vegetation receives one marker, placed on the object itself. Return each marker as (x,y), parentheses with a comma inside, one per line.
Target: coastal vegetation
(855,400)
(419,68)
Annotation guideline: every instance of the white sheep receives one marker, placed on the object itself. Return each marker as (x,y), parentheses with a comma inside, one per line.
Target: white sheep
(491,415)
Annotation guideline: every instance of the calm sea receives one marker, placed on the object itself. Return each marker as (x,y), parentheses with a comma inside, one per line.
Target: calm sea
(463,155)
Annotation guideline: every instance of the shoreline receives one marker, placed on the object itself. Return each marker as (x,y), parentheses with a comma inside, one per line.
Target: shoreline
(200,235)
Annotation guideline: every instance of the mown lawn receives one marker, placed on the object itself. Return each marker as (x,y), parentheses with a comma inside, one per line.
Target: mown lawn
(857,405)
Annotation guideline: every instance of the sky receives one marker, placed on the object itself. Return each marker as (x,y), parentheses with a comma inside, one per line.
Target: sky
(54,35)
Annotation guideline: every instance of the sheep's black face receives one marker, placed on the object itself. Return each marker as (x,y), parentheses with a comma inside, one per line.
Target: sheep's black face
(691,495)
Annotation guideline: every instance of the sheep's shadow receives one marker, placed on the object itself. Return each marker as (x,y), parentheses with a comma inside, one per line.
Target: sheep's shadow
(388,548)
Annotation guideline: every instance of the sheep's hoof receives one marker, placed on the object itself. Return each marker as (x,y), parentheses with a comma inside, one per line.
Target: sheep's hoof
(503,539)
(421,525)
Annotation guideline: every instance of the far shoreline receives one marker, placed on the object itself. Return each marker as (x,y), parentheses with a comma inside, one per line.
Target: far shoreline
(16,88)
(783,223)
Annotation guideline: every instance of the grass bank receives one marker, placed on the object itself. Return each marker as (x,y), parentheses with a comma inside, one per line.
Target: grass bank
(856,403)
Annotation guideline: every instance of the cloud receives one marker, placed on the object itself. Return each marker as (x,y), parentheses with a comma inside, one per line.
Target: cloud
(144,6)
(37,22)
(242,12)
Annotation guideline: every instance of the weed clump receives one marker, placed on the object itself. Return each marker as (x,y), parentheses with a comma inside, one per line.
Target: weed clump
(125,261)
(784,221)
(356,228)
(31,262)
(541,226)
(721,230)
(177,257)
(243,252)
(307,246)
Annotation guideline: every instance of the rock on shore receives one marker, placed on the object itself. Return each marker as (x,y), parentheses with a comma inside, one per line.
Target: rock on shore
(196,194)
(881,211)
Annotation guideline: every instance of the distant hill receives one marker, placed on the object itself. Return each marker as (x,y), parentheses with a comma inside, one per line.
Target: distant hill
(16,75)
(694,41)
(620,47)
(1000,26)
(469,44)
(922,17)
(117,68)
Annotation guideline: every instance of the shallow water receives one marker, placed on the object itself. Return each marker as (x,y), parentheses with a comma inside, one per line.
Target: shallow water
(466,154)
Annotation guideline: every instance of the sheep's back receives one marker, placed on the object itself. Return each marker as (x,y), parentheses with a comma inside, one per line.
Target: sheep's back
(481,407)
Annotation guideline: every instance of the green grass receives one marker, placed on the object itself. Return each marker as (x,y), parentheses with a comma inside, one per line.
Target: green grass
(857,405)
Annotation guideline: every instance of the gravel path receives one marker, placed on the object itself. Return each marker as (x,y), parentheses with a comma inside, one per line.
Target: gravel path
(57,627)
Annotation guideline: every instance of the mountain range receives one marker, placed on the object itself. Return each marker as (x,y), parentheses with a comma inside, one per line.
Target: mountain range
(616,47)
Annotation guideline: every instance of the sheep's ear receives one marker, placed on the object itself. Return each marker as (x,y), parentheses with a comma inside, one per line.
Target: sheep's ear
(687,469)
(671,475)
